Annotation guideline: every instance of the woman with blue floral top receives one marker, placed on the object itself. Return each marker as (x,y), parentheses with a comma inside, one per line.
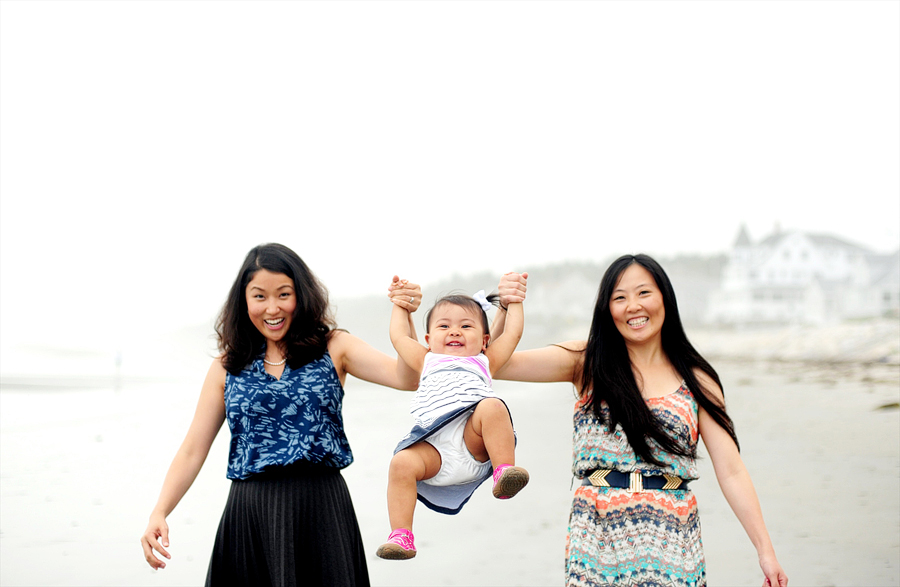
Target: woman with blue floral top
(279,384)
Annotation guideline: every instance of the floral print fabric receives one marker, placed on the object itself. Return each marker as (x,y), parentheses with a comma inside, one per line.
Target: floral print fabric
(280,421)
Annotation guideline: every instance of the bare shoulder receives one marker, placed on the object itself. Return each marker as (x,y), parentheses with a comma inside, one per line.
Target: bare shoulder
(217,369)
(213,388)
(575,349)
(336,337)
(339,341)
(346,349)
(712,388)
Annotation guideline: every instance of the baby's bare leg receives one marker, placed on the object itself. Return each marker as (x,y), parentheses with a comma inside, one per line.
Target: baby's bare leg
(410,465)
(489,433)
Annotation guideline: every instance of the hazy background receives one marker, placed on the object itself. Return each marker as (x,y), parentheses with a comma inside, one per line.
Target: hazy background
(145,147)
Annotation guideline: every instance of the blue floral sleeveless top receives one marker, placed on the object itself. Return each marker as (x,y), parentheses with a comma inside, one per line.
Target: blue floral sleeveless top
(280,421)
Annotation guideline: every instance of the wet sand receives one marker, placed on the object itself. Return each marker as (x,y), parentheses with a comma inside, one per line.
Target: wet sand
(80,470)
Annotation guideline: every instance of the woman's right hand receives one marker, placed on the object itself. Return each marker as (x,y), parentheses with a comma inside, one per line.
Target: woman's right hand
(157,532)
(512,288)
(775,575)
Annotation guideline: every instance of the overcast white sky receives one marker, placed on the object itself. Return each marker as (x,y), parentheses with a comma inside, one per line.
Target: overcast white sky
(146,146)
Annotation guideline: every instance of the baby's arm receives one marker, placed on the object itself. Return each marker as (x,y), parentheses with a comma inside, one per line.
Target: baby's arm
(499,351)
(511,289)
(404,341)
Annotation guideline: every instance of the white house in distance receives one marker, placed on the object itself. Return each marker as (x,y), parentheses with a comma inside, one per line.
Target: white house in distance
(802,278)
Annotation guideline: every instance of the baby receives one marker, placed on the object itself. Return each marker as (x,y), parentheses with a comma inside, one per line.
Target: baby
(461,427)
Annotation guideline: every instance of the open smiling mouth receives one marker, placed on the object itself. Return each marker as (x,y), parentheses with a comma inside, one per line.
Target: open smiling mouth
(638,321)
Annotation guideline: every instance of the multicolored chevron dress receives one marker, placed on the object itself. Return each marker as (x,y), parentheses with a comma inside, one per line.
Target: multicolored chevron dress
(649,538)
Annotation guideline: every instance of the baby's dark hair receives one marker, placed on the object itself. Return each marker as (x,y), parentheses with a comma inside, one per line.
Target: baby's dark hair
(467,302)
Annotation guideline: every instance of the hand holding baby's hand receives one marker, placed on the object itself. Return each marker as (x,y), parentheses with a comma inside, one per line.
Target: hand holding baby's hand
(512,288)
(404,294)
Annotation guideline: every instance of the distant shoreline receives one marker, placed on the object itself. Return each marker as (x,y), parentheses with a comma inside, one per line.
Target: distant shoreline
(63,382)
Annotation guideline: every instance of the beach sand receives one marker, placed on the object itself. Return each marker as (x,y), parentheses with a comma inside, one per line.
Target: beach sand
(80,471)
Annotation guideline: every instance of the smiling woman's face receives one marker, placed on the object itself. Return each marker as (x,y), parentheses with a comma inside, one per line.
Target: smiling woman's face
(271,301)
(636,306)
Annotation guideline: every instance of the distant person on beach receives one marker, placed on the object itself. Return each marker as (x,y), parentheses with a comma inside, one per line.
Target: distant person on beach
(278,382)
(645,396)
(463,432)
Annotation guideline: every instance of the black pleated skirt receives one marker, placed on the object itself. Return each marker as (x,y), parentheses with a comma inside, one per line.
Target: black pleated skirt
(287,527)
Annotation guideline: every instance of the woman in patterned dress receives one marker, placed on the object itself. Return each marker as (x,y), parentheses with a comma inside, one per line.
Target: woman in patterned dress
(645,397)
(279,383)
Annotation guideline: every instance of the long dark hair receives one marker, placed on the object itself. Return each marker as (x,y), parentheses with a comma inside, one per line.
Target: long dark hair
(608,376)
(311,324)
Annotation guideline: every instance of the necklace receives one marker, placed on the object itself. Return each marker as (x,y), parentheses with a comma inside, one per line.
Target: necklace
(268,362)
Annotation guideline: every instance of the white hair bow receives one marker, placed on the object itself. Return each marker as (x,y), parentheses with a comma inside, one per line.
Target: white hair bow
(479,297)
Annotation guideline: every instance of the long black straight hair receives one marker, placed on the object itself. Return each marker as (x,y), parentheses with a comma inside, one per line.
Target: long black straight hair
(608,376)
(311,324)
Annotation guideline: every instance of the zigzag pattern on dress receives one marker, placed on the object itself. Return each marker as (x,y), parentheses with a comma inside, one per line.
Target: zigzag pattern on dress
(594,447)
(651,538)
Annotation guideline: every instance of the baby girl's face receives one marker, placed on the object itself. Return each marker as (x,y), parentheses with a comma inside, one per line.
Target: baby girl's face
(455,330)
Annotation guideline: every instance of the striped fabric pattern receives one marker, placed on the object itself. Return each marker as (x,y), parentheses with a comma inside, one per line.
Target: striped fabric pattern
(449,384)
(649,538)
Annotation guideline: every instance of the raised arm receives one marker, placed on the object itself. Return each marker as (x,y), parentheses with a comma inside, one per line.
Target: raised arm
(737,487)
(405,294)
(501,349)
(354,356)
(186,465)
(511,289)
(403,338)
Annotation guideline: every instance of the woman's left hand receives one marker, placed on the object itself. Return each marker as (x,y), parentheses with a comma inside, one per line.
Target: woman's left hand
(405,294)
(775,575)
